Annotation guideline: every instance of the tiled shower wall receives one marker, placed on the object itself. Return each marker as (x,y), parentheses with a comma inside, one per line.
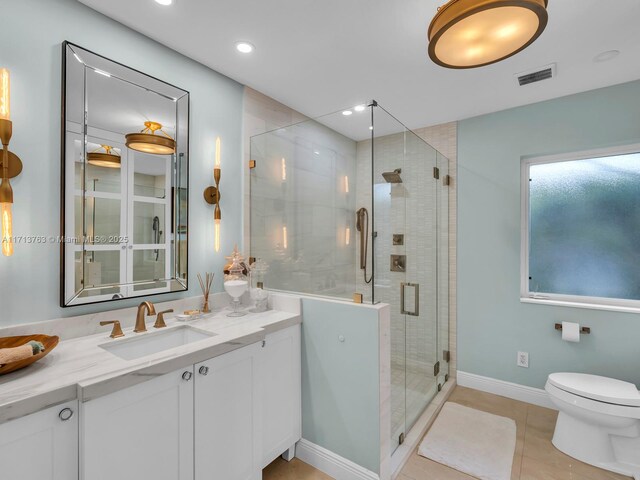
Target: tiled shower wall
(302,218)
(444,138)
(396,206)
(409,209)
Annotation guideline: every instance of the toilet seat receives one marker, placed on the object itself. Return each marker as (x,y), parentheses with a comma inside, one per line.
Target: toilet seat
(596,388)
(594,406)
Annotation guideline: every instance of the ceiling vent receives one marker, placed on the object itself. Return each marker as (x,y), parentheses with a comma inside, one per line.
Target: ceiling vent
(539,74)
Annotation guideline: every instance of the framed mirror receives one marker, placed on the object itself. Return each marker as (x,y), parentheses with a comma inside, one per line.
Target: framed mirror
(125,181)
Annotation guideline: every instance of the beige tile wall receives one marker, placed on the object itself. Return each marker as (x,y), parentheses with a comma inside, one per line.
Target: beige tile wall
(444,138)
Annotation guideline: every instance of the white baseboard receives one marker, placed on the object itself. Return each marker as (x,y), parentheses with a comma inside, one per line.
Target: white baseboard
(330,463)
(535,396)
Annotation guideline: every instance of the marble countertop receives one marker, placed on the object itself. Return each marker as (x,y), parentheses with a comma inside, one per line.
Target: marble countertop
(80,369)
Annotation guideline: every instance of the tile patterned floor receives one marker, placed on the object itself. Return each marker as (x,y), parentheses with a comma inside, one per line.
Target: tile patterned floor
(535,457)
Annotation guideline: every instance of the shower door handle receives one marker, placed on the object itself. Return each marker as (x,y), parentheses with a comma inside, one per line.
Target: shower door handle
(416,299)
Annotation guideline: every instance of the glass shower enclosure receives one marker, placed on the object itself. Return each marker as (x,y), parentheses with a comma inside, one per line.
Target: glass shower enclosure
(354,205)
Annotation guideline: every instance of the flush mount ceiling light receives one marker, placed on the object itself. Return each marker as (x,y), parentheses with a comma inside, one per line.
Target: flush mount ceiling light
(164,2)
(346,113)
(244,47)
(148,142)
(475,33)
(359,108)
(108,159)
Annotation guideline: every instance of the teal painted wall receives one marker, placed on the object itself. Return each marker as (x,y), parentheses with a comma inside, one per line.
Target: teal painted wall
(340,380)
(31,36)
(492,323)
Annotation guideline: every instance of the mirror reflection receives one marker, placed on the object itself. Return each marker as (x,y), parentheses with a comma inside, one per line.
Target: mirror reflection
(125,167)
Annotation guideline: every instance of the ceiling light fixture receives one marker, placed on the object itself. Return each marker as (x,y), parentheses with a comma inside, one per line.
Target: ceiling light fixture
(475,33)
(108,159)
(359,108)
(148,142)
(164,2)
(244,47)
(346,113)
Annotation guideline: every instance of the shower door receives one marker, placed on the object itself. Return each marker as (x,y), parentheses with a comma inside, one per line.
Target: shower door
(406,213)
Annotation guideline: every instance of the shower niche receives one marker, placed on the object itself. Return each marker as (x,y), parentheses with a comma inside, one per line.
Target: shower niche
(125,178)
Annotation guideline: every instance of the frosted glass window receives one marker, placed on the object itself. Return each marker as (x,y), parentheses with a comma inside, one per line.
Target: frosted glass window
(584,227)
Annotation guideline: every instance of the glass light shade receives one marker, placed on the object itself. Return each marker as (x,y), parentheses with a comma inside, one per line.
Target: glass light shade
(216,235)
(7,229)
(150,143)
(104,159)
(217,160)
(474,33)
(5,94)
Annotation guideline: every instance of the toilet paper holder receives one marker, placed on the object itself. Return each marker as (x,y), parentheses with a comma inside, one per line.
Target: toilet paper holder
(585,330)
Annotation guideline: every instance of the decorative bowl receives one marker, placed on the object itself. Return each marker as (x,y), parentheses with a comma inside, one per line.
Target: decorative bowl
(10,342)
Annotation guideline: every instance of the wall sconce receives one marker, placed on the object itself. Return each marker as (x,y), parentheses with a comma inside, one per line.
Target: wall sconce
(11,164)
(212,197)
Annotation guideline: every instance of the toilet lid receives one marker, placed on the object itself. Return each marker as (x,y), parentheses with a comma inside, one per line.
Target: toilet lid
(602,389)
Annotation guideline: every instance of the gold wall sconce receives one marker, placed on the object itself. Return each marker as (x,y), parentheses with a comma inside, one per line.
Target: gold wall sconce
(109,158)
(10,163)
(212,197)
(147,141)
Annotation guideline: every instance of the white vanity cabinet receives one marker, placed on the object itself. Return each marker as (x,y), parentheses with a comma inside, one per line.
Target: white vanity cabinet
(221,419)
(144,431)
(41,446)
(281,399)
(227,430)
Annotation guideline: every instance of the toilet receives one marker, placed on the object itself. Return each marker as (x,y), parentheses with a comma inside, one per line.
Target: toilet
(599,421)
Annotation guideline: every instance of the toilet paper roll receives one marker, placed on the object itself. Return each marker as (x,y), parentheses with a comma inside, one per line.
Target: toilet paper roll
(570,332)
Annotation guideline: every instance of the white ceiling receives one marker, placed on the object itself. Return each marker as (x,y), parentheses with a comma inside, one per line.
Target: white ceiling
(319,56)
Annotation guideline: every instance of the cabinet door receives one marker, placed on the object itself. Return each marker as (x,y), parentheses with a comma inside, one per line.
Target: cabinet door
(41,446)
(144,431)
(280,375)
(227,426)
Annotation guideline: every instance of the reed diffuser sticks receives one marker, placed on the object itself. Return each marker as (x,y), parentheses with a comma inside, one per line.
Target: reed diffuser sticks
(206,288)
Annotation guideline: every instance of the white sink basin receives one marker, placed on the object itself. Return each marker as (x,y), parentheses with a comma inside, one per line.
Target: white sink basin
(154,342)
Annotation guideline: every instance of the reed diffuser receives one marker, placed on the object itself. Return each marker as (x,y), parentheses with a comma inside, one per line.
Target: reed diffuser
(206,288)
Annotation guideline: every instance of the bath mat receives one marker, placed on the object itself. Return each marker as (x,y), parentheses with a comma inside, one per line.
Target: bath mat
(473,442)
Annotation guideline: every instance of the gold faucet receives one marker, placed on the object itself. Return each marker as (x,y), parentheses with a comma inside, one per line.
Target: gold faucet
(140,325)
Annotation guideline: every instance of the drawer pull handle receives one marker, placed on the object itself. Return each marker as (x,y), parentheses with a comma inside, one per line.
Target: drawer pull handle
(203,370)
(65,414)
(186,376)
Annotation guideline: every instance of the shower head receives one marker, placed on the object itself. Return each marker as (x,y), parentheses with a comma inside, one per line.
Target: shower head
(393,177)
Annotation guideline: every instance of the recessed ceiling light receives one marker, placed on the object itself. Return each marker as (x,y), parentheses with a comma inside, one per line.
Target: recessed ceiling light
(370,127)
(316,152)
(359,108)
(346,113)
(244,47)
(606,56)
(164,2)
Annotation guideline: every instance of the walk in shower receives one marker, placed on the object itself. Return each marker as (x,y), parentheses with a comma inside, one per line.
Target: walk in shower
(354,205)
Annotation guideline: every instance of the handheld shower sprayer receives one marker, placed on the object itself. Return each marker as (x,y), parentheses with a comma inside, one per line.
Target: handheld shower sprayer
(362,226)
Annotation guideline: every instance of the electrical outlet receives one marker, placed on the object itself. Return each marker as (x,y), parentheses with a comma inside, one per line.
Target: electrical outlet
(523,359)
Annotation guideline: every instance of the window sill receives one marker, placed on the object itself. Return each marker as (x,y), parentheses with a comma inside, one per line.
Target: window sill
(590,306)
